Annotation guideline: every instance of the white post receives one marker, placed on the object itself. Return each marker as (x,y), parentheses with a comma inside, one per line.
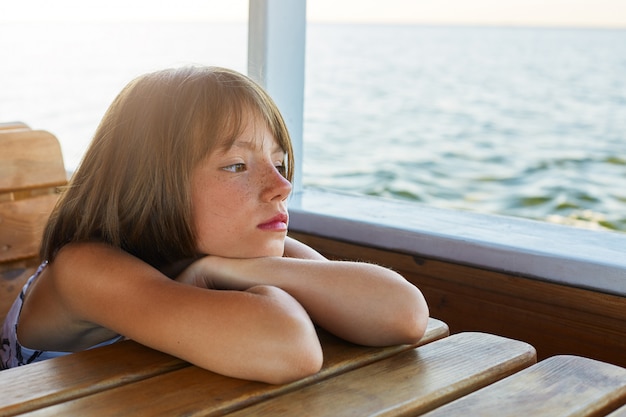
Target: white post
(276,46)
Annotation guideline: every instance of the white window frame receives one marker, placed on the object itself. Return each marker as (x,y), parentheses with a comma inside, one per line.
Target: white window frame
(550,252)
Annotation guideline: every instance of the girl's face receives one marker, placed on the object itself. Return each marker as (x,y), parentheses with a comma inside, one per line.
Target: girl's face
(239,197)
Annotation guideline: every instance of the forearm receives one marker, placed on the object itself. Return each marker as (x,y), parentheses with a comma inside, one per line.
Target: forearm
(360,302)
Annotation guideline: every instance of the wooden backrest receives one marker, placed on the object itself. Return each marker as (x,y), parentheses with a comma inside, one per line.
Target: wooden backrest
(621,412)
(13,126)
(31,170)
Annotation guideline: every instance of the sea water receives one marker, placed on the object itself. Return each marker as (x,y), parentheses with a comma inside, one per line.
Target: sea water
(526,122)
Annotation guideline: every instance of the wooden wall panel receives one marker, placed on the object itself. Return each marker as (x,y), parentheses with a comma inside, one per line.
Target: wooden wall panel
(555,319)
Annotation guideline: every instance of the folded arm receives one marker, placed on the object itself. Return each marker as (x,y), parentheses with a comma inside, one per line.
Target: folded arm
(93,291)
(360,302)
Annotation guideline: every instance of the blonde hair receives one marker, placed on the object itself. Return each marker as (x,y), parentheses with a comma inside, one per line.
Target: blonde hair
(132,189)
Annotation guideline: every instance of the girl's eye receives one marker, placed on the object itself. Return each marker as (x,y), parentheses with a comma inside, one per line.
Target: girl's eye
(235,168)
(281,169)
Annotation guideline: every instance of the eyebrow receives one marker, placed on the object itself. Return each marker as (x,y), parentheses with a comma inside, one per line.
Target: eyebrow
(251,144)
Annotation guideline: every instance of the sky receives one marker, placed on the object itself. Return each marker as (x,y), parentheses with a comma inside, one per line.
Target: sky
(594,13)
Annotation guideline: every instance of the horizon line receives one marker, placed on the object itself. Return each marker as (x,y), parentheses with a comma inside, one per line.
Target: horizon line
(389,22)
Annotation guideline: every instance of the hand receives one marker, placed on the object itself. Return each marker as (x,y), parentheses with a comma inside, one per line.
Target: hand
(195,275)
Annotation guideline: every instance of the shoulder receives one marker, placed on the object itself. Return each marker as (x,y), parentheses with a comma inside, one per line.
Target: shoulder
(77,264)
(86,295)
(87,284)
(93,272)
(79,252)
(54,316)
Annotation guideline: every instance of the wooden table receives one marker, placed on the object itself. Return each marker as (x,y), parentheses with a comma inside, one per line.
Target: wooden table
(558,386)
(129,379)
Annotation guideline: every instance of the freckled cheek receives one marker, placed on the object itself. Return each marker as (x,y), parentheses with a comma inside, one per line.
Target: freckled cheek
(234,197)
(222,208)
(215,201)
(220,219)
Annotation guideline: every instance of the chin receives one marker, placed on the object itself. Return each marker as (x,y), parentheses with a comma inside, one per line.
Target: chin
(253,249)
(272,252)
(276,248)
(273,249)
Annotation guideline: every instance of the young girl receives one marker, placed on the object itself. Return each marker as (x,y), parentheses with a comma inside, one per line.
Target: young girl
(173,233)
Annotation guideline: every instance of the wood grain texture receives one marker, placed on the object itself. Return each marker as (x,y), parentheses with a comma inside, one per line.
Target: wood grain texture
(409,383)
(56,380)
(31,170)
(30,159)
(22,224)
(195,391)
(555,319)
(558,386)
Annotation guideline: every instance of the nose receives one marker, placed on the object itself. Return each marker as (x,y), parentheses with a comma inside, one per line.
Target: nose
(275,187)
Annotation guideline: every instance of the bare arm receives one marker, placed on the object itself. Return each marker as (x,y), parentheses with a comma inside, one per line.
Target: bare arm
(360,302)
(261,333)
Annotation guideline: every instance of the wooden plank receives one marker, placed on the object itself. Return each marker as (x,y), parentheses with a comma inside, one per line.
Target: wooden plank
(56,380)
(192,390)
(30,159)
(557,386)
(339,355)
(23,222)
(409,383)
(31,168)
(555,319)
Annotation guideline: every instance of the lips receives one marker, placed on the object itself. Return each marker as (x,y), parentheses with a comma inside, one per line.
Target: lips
(277,223)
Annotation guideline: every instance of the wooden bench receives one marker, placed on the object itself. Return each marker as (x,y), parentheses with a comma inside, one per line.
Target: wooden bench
(31,172)
(558,386)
